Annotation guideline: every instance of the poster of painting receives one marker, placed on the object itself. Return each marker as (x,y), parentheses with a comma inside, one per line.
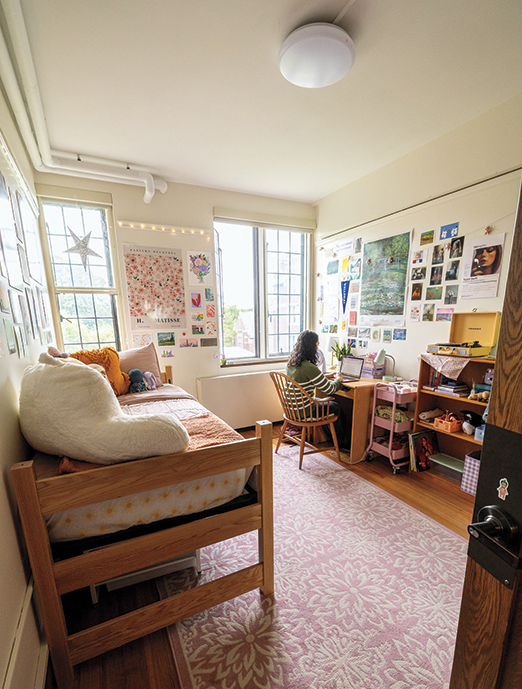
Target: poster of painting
(10,336)
(433,293)
(195,300)
(428,311)
(9,238)
(198,330)
(210,328)
(418,273)
(209,294)
(482,261)
(420,256)
(200,268)
(155,287)
(32,242)
(188,342)
(384,276)
(386,335)
(4,297)
(209,342)
(399,334)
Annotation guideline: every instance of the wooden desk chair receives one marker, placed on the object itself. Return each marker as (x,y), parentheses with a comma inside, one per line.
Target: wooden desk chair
(294,400)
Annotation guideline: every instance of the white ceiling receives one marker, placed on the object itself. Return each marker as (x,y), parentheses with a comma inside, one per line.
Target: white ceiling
(191,88)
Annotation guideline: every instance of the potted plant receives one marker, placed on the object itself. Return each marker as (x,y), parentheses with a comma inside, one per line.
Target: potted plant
(340,350)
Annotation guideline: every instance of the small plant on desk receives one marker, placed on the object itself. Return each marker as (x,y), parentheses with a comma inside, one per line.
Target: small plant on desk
(341,350)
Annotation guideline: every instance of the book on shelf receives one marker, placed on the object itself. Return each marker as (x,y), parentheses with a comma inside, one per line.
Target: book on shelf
(422,445)
(453,393)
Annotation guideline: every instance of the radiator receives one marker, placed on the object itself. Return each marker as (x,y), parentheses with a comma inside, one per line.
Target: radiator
(240,399)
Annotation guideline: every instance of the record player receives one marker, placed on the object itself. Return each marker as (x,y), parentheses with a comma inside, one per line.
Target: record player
(459,349)
(471,334)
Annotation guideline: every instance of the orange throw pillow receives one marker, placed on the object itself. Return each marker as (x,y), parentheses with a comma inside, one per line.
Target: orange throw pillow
(110,360)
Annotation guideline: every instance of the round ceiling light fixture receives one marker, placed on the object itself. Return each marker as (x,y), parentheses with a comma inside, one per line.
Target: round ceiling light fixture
(316,55)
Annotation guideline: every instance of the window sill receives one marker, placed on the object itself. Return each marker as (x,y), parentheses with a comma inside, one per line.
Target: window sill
(257,362)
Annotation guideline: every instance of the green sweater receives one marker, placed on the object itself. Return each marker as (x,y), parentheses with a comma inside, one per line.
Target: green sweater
(310,377)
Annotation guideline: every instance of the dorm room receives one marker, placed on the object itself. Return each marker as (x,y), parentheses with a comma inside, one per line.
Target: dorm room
(318,163)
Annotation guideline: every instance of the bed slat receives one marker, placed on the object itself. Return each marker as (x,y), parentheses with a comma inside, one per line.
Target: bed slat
(60,493)
(115,560)
(121,630)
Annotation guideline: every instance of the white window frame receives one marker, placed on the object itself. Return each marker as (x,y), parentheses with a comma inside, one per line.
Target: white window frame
(261,278)
(54,291)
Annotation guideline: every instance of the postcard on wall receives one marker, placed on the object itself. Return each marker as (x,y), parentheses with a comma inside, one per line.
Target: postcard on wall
(166,339)
(355,269)
(448,231)
(444,314)
(209,342)
(331,284)
(399,333)
(386,334)
(141,340)
(415,312)
(10,336)
(418,273)
(196,300)
(482,262)
(438,254)
(155,287)
(210,328)
(9,238)
(420,256)
(200,268)
(451,294)
(433,293)
(331,309)
(188,342)
(333,267)
(427,237)
(345,247)
(428,311)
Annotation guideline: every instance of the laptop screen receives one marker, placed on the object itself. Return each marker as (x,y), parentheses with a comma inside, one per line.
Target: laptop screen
(351,366)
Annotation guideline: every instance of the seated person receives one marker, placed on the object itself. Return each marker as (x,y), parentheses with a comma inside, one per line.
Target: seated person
(302,367)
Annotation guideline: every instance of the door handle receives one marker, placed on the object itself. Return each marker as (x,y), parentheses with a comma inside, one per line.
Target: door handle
(494,522)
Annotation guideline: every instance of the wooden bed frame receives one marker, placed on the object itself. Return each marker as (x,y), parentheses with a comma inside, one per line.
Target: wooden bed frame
(40,494)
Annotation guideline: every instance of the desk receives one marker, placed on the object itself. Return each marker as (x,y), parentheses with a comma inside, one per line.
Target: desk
(361,393)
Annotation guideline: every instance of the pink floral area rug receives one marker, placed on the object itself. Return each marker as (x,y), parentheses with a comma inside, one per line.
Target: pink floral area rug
(367,593)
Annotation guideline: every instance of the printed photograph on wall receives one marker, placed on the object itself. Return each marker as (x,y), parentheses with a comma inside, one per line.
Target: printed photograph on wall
(436,275)
(416,291)
(418,273)
(438,254)
(451,294)
(155,287)
(444,314)
(415,312)
(482,264)
(433,293)
(457,247)
(200,268)
(428,311)
(384,276)
(452,270)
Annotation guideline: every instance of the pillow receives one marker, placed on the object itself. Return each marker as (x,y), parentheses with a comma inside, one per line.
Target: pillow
(110,360)
(69,409)
(145,358)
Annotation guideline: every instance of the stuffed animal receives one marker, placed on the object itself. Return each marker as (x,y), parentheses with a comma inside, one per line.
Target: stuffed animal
(150,380)
(137,383)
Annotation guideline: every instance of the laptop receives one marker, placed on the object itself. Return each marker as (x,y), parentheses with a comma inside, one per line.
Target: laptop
(351,368)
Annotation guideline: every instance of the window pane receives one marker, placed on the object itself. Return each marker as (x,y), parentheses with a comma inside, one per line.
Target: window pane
(236,243)
(88,321)
(88,249)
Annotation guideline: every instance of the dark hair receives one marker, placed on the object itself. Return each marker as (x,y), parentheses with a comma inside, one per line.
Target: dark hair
(305,348)
(498,255)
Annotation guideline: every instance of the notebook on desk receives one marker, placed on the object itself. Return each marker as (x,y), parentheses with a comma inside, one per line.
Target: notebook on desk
(351,368)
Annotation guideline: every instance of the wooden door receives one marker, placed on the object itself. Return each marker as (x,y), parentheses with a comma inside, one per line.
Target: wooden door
(488,652)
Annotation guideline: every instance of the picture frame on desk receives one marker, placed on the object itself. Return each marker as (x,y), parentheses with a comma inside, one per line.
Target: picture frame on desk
(422,445)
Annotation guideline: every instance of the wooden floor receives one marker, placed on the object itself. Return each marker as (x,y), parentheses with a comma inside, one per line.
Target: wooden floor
(148,664)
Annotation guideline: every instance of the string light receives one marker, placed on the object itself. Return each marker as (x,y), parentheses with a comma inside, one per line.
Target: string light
(164,228)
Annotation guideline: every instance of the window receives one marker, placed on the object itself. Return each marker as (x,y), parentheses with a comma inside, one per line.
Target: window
(84,286)
(263,287)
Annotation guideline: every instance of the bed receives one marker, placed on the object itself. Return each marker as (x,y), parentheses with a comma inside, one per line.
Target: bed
(42,492)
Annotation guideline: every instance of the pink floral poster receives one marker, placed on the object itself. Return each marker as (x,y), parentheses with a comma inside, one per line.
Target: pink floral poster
(155,287)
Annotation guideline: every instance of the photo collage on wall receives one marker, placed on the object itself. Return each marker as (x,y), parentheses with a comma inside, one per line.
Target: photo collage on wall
(24,303)
(181,315)
(360,301)
(446,268)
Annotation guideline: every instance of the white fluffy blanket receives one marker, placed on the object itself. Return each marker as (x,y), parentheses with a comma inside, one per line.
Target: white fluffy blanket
(68,408)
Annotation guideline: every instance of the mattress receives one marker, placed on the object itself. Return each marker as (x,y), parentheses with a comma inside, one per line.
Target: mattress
(205,430)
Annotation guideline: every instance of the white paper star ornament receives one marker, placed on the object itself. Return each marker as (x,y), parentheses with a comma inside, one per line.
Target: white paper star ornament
(81,247)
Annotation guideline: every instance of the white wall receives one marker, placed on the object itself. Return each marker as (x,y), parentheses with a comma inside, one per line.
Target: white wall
(13,577)
(485,147)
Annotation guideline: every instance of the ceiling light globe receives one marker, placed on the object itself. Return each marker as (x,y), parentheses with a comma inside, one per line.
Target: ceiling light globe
(316,55)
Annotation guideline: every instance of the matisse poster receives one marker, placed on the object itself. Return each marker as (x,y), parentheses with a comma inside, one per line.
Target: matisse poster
(155,287)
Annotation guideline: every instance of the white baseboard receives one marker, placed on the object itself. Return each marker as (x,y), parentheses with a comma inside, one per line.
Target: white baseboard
(29,654)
